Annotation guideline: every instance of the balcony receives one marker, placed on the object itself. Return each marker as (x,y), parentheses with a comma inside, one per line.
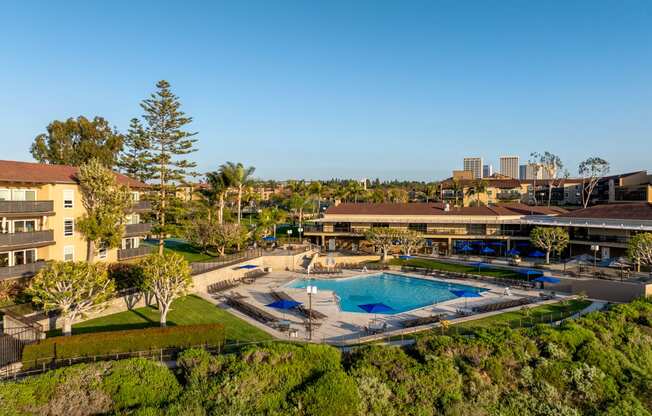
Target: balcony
(601,238)
(130,253)
(139,206)
(26,240)
(26,207)
(508,196)
(137,229)
(22,270)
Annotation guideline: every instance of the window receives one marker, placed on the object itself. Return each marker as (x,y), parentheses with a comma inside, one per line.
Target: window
(5,195)
(68,227)
(4,259)
(421,228)
(19,257)
(135,196)
(131,242)
(68,253)
(68,198)
(24,226)
(101,253)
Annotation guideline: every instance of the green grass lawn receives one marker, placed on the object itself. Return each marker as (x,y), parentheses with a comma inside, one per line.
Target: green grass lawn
(189,310)
(179,246)
(539,314)
(459,268)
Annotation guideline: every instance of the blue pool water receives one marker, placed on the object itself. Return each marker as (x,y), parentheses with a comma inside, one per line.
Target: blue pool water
(400,292)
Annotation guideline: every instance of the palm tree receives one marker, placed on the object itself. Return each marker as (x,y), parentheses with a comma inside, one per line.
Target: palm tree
(269,218)
(298,204)
(377,196)
(315,190)
(457,189)
(215,193)
(480,189)
(432,191)
(355,190)
(471,191)
(238,177)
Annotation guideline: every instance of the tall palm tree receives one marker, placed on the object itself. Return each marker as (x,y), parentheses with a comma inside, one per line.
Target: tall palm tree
(315,190)
(471,191)
(377,196)
(269,218)
(298,204)
(432,191)
(355,190)
(238,176)
(457,189)
(215,193)
(481,189)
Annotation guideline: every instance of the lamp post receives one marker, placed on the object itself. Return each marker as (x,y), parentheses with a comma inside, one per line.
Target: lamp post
(311,290)
(595,248)
(300,230)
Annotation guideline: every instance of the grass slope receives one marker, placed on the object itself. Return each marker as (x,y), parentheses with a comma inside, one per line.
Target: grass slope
(459,268)
(190,253)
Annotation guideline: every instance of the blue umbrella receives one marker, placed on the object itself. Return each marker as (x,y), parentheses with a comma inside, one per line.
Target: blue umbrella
(376,308)
(465,249)
(478,265)
(284,305)
(537,253)
(497,243)
(513,252)
(269,238)
(405,257)
(247,266)
(547,279)
(530,272)
(460,293)
(487,250)
(522,243)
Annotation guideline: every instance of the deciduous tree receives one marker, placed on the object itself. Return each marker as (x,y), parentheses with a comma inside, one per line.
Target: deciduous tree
(409,241)
(639,249)
(76,141)
(105,203)
(72,288)
(550,239)
(383,239)
(591,170)
(167,277)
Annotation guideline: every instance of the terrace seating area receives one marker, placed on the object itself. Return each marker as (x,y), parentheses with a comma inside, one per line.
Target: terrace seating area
(237,302)
(301,309)
(504,305)
(363,266)
(222,286)
(319,269)
(250,277)
(412,322)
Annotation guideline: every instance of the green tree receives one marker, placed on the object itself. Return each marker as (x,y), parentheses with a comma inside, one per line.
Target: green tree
(552,165)
(135,158)
(298,203)
(409,241)
(228,236)
(315,190)
(591,170)
(269,218)
(639,249)
(238,176)
(76,141)
(166,146)
(550,239)
(105,203)
(216,192)
(71,288)
(383,239)
(166,277)
(432,191)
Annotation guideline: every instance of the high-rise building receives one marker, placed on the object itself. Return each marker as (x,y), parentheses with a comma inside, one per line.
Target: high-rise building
(474,164)
(535,171)
(522,171)
(487,170)
(509,166)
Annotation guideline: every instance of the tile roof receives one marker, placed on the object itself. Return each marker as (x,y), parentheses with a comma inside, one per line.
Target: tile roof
(630,211)
(418,208)
(14,171)
(533,210)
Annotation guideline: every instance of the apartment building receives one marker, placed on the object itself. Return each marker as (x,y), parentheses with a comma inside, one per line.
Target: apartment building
(39,207)
(473,165)
(509,166)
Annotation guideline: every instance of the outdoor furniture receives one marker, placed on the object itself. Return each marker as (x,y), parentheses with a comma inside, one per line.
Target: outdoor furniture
(251,310)
(222,286)
(492,307)
(412,322)
(300,308)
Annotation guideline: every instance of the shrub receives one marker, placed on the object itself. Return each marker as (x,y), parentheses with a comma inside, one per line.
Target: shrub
(104,343)
(126,275)
(334,393)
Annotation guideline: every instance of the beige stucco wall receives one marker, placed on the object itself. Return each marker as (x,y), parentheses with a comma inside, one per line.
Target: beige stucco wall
(609,290)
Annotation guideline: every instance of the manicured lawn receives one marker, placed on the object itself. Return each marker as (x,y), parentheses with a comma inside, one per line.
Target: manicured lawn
(540,314)
(182,247)
(459,268)
(189,310)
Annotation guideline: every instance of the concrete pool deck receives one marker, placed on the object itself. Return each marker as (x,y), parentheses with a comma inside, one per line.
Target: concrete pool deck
(346,327)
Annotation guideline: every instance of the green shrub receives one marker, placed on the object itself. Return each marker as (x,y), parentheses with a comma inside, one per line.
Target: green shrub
(334,393)
(105,343)
(140,382)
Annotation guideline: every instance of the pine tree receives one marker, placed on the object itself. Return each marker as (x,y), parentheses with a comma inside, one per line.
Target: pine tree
(167,142)
(135,158)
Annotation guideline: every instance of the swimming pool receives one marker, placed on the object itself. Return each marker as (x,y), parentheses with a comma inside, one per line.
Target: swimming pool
(400,292)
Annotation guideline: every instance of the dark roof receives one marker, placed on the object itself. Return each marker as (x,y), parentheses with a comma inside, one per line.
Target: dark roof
(417,208)
(13,171)
(630,211)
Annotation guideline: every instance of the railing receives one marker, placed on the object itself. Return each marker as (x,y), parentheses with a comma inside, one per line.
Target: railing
(510,196)
(601,238)
(22,270)
(130,253)
(207,266)
(14,207)
(141,205)
(32,237)
(138,229)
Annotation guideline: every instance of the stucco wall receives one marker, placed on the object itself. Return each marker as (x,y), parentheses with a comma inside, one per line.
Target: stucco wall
(609,290)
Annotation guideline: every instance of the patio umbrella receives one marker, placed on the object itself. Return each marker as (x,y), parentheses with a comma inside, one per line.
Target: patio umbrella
(247,266)
(465,294)
(537,253)
(547,279)
(465,249)
(513,252)
(284,305)
(522,243)
(405,257)
(269,238)
(497,243)
(531,272)
(487,250)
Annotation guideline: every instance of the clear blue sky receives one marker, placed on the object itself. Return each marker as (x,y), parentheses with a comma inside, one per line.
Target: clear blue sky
(343,88)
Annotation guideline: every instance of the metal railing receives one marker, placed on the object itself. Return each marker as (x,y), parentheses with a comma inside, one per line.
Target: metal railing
(32,237)
(22,270)
(229,259)
(13,207)
(130,253)
(138,229)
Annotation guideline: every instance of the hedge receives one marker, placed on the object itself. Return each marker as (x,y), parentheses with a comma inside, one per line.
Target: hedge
(115,342)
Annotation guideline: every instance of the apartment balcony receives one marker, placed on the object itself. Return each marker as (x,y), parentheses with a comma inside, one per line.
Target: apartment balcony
(131,253)
(141,206)
(132,230)
(601,239)
(31,239)
(508,196)
(313,228)
(22,270)
(15,208)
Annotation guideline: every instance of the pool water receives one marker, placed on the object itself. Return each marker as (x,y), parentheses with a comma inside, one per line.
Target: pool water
(399,292)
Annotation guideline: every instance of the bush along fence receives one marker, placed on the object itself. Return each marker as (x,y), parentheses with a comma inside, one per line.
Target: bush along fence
(57,351)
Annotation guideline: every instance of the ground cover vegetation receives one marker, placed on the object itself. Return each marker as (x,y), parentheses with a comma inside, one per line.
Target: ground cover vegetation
(457,268)
(597,365)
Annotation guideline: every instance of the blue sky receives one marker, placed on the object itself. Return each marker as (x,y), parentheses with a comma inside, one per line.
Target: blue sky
(401,89)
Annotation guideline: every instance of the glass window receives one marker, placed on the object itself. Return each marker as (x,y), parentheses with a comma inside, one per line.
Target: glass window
(30,256)
(30,195)
(69,253)
(68,198)
(4,259)
(135,196)
(102,252)
(19,258)
(18,194)
(24,226)
(68,227)
(5,195)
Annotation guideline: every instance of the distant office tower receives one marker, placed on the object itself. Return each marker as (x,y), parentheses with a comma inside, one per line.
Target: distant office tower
(536,171)
(487,170)
(474,164)
(522,171)
(509,166)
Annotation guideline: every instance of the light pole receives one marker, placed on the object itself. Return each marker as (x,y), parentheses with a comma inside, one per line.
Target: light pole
(300,230)
(595,249)
(289,235)
(311,290)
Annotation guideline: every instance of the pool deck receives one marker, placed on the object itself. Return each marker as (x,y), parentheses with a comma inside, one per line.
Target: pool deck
(347,327)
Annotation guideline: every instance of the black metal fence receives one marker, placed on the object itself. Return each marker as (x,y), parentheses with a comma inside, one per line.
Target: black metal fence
(229,259)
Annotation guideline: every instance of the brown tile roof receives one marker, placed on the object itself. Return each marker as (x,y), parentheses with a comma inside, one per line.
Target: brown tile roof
(14,171)
(532,210)
(631,211)
(414,209)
